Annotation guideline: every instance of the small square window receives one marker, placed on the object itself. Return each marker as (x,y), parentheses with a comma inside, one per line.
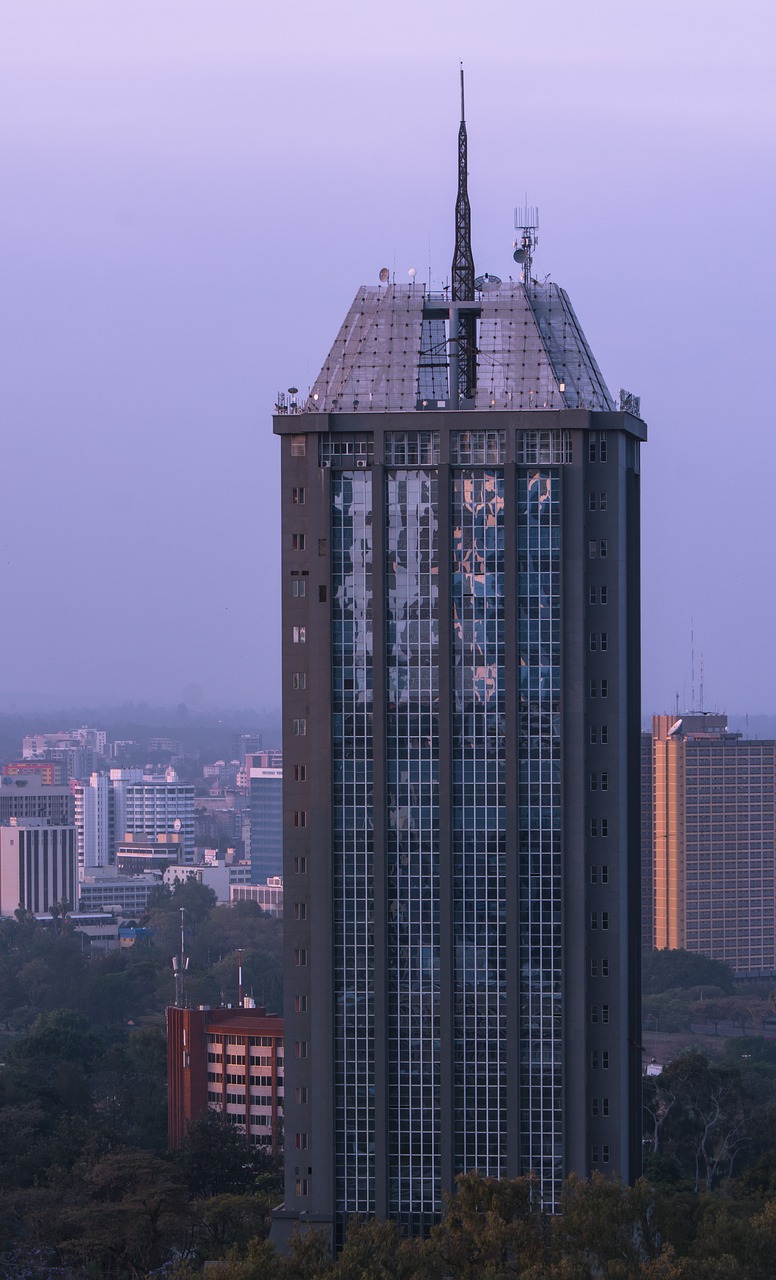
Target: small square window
(297,542)
(300,773)
(322,595)
(604,1059)
(604,873)
(300,1141)
(604,641)
(605,1153)
(301,1094)
(591,449)
(594,826)
(322,546)
(593,641)
(300,1004)
(299,635)
(604,688)
(604,919)
(300,910)
(297,495)
(593,595)
(593,781)
(300,728)
(594,874)
(604,781)
(300,1048)
(604,1106)
(299,680)
(602,500)
(602,446)
(604,593)
(604,734)
(300,866)
(298,446)
(298,587)
(593,688)
(300,958)
(603,548)
(604,1013)
(592,549)
(605,967)
(300,817)
(604,826)
(593,735)
(592,500)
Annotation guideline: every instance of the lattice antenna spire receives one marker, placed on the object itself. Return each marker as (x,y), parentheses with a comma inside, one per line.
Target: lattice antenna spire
(463,260)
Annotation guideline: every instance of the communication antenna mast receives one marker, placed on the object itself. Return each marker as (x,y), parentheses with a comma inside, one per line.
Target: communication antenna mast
(692,661)
(463,327)
(239,978)
(702,679)
(180,965)
(527,224)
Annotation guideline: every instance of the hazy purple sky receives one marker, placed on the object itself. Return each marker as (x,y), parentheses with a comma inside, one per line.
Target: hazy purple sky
(194,189)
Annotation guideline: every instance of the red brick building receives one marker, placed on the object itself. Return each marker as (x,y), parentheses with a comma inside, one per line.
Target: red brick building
(229,1061)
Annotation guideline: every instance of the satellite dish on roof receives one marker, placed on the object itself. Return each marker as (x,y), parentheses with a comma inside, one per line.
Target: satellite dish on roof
(519,255)
(483,283)
(385,275)
(412,273)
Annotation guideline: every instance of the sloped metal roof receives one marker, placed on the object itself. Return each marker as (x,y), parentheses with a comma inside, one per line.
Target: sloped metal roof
(531,353)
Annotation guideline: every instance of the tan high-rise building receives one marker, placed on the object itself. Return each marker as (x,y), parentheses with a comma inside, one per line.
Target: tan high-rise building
(713,860)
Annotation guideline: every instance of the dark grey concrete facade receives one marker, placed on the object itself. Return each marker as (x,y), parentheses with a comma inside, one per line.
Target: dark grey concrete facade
(585,1116)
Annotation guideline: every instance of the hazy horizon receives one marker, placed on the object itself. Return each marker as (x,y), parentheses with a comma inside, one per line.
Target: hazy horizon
(194,193)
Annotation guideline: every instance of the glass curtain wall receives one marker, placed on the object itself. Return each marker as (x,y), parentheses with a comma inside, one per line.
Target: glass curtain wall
(412,844)
(479,813)
(352,838)
(539,826)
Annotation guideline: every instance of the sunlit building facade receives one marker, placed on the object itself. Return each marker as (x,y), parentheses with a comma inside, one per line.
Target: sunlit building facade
(713,866)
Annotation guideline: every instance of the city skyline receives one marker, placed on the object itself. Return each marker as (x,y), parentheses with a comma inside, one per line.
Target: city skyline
(178,180)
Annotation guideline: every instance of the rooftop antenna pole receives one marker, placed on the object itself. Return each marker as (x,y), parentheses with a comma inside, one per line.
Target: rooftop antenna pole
(239,978)
(703,674)
(179,966)
(463,363)
(692,661)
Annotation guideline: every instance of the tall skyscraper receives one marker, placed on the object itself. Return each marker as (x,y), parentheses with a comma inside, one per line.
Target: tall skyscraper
(460,530)
(713,865)
(266,800)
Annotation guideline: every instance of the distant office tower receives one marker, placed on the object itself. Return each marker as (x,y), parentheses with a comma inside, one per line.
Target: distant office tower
(37,865)
(50,772)
(460,532)
(75,750)
(714,860)
(94,822)
(23,796)
(266,801)
(647,846)
(229,1061)
(129,802)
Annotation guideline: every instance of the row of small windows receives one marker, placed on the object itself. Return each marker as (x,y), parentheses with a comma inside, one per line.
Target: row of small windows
(601,686)
(598,595)
(600,1155)
(599,640)
(599,1106)
(599,1060)
(597,501)
(300,817)
(599,826)
(599,967)
(598,919)
(421,448)
(300,1004)
(599,733)
(299,727)
(598,548)
(599,873)
(599,781)
(599,1013)
(299,680)
(299,543)
(300,865)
